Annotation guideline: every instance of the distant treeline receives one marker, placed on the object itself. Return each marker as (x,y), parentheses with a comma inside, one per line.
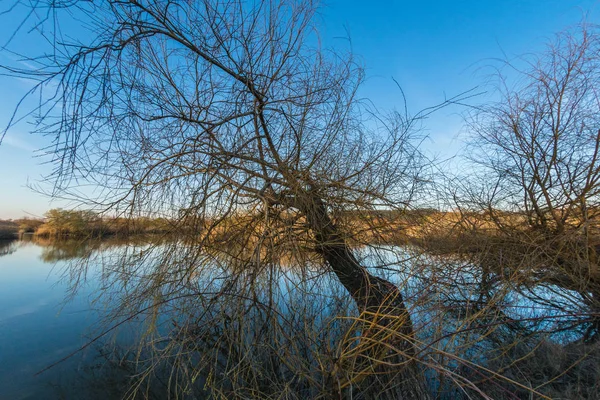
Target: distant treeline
(11,229)
(8,229)
(60,223)
(425,226)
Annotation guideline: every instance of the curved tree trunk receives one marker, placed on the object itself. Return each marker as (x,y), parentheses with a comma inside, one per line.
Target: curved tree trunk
(394,371)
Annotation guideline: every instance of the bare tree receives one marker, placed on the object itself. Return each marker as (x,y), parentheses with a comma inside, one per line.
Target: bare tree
(538,147)
(228,117)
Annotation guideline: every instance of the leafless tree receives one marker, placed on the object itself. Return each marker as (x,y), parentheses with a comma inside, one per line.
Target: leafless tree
(538,147)
(229,118)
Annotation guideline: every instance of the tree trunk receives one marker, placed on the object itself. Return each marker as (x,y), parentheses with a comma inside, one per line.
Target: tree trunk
(381,305)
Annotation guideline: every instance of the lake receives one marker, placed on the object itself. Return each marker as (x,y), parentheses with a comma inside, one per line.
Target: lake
(43,320)
(38,328)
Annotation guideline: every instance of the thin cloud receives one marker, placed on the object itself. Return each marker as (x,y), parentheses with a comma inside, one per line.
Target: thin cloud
(18,143)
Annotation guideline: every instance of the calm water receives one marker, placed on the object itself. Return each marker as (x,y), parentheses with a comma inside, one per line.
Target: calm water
(41,323)
(38,328)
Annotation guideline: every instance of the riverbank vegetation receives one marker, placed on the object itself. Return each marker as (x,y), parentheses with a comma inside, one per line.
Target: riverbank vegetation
(391,227)
(303,257)
(79,224)
(12,229)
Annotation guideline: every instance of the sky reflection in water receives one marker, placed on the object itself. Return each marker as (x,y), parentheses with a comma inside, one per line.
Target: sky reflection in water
(38,328)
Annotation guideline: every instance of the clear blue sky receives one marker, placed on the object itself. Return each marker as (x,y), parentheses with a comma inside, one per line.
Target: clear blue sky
(432,48)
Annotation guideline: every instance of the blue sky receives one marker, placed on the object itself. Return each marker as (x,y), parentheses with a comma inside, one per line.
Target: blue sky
(432,48)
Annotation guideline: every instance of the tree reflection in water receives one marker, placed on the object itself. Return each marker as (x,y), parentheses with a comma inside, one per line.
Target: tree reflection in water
(7,247)
(214,322)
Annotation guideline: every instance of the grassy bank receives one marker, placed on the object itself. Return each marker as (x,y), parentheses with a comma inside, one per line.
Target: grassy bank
(73,224)
(360,227)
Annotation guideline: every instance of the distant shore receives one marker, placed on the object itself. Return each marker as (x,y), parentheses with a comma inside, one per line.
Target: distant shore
(9,230)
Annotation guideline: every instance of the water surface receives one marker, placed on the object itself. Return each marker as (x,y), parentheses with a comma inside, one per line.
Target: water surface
(42,321)
(38,327)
